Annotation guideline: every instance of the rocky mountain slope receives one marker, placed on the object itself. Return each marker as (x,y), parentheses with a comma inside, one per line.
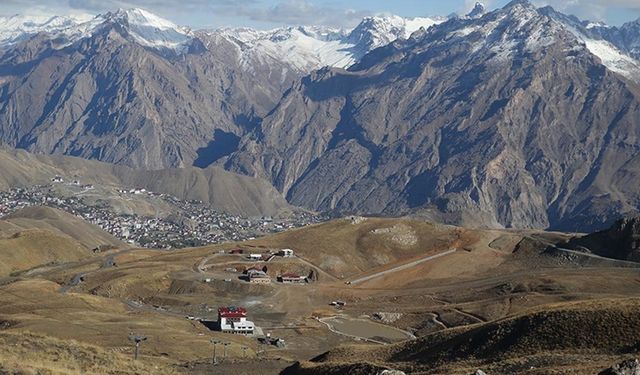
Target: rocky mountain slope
(130,88)
(620,241)
(512,119)
(521,117)
(111,97)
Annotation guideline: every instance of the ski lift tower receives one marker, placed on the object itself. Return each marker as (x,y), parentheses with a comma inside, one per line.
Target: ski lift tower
(137,339)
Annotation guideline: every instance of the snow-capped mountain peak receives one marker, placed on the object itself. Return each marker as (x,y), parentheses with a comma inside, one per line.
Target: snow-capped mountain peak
(307,48)
(144,27)
(18,28)
(478,10)
(377,31)
(141,17)
(151,30)
(603,41)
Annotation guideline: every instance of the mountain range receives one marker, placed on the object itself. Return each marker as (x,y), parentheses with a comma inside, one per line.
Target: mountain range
(520,117)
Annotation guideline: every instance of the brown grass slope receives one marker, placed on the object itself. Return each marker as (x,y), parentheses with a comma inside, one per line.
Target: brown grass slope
(31,248)
(60,222)
(345,249)
(30,354)
(606,327)
(225,191)
(37,306)
(37,236)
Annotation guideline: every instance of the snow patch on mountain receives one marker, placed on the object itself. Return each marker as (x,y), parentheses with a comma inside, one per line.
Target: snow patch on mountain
(145,28)
(613,58)
(598,39)
(152,31)
(506,32)
(19,28)
(304,48)
(311,48)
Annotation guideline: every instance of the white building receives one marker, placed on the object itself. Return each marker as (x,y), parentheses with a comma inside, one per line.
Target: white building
(234,320)
(258,277)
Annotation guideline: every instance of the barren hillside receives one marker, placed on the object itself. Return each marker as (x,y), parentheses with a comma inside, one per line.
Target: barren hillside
(224,191)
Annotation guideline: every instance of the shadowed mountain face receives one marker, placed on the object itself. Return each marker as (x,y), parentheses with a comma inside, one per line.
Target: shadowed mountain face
(620,241)
(133,89)
(507,120)
(109,98)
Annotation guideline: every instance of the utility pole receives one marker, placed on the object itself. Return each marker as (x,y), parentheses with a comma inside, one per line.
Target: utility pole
(215,358)
(244,352)
(225,350)
(137,339)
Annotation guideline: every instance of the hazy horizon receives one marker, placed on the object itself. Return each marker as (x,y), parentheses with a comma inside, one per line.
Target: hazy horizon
(264,14)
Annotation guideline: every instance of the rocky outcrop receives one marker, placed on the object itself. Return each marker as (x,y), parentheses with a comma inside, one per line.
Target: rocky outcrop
(630,367)
(391,372)
(621,241)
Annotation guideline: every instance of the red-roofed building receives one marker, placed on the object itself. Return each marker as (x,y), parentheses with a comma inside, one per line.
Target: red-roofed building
(232,312)
(234,320)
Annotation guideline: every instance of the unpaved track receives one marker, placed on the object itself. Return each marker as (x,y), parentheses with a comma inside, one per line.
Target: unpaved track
(107,262)
(203,265)
(594,256)
(402,267)
(585,254)
(436,319)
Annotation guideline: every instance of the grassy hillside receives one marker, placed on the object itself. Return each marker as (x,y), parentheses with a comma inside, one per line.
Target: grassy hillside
(28,353)
(31,248)
(37,236)
(60,222)
(38,306)
(225,191)
(605,329)
(346,248)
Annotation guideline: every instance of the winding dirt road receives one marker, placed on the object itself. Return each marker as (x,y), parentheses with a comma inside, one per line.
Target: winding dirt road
(402,267)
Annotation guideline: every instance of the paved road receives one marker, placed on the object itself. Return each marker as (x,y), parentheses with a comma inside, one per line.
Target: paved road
(316,268)
(402,267)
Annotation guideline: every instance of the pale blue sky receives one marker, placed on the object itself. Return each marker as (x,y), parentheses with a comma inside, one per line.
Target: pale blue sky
(270,13)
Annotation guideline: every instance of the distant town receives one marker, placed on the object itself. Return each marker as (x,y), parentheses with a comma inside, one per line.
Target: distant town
(191,224)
